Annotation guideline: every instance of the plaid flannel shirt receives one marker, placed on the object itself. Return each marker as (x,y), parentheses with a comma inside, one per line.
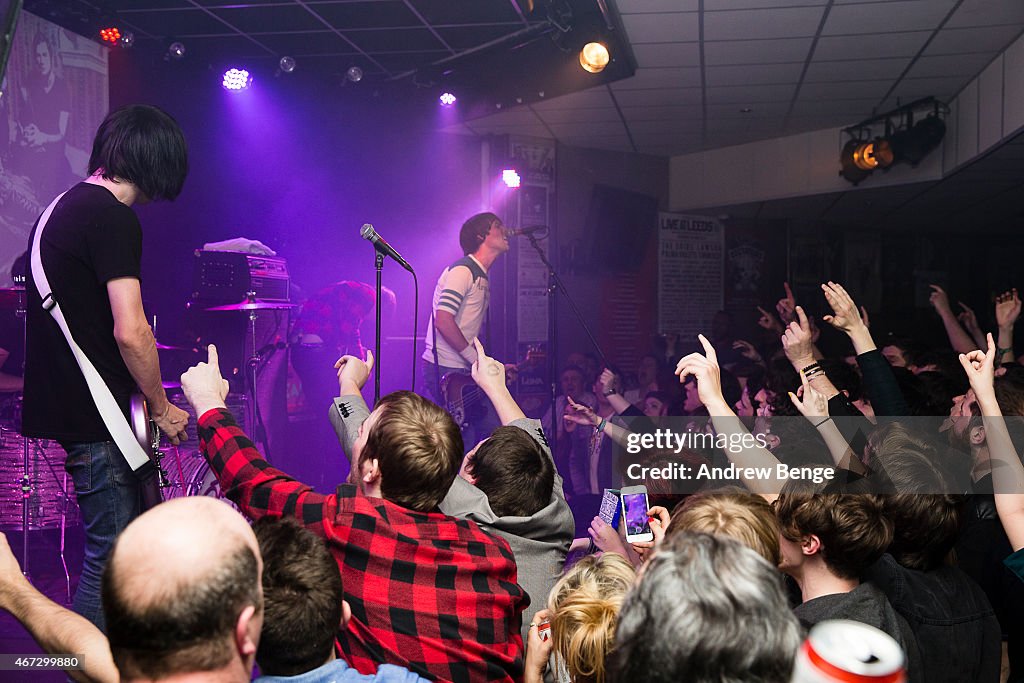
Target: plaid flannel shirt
(429,592)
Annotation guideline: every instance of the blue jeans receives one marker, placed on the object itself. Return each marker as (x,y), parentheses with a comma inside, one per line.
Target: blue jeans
(108,498)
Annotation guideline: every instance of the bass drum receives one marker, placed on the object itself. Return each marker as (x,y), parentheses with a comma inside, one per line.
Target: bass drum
(186,468)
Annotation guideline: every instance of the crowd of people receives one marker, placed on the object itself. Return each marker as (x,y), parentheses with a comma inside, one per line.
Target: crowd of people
(452,559)
(437,563)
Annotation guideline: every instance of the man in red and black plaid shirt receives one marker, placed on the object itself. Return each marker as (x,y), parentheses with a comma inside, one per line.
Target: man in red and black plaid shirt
(429,592)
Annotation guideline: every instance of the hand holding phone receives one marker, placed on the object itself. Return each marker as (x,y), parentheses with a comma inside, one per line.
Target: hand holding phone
(634,512)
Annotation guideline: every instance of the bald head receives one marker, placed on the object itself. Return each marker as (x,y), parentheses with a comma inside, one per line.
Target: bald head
(177,581)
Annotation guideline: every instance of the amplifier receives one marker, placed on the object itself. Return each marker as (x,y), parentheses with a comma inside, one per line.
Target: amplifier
(227,276)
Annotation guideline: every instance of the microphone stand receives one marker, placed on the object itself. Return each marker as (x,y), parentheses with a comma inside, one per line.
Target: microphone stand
(555,284)
(379,265)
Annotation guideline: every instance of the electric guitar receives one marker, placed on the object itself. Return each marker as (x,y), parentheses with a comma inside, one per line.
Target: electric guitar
(466,402)
(148,435)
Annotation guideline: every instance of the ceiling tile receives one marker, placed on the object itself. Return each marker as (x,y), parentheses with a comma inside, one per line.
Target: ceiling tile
(849,110)
(988,13)
(536,130)
(722,53)
(466,11)
(750,94)
(179,23)
(614,143)
(876,17)
(762,74)
(559,116)
(715,5)
(395,40)
(846,90)
(517,117)
(669,113)
(656,6)
(648,129)
(856,70)
(661,96)
(465,37)
(789,22)
(597,97)
(761,109)
(877,45)
(683,77)
(590,128)
(966,40)
(950,65)
(378,14)
(306,43)
(941,88)
(666,54)
(661,28)
(270,18)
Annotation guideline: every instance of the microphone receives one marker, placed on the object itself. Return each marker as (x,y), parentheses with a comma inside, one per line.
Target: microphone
(381,245)
(526,231)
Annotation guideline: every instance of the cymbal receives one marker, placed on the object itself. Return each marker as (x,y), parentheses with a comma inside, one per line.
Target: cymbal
(256,305)
(171,385)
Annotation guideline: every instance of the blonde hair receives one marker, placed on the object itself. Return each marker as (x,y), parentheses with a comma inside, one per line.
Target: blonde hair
(733,512)
(585,609)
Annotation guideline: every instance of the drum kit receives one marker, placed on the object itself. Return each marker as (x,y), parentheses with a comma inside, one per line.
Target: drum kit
(36,492)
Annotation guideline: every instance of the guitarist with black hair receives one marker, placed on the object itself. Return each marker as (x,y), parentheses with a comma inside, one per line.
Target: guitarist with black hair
(85,278)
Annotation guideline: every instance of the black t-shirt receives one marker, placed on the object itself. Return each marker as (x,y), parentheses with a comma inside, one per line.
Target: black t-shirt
(90,239)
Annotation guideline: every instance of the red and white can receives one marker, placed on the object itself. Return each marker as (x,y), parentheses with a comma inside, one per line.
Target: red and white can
(849,652)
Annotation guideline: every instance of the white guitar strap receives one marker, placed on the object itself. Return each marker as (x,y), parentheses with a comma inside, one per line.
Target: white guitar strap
(110,411)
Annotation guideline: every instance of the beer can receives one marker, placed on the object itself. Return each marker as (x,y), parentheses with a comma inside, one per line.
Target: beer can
(844,651)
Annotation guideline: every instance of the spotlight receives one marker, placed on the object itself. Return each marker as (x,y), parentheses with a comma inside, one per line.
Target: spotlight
(447,99)
(354,74)
(110,35)
(903,142)
(236,79)
(510,177)
(594,57)
(287,64)
(127,39)
(175,50)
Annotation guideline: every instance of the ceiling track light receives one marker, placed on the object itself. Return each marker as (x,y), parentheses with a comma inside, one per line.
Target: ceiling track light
(904,141)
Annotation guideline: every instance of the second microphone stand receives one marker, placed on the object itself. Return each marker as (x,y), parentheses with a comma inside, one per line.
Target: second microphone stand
(555,284)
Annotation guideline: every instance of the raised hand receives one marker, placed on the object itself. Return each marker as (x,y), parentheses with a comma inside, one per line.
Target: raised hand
(967,317)
(1007,308)
(797,342)
(609,381)
(812,404)
(580,414)
(659,520)
(606,537)
(705,369)
(747,350)
(939,299)
(786,306)
(203,385)
(845,315)
(769,321)
(980,369)
(353,373)
(488,373)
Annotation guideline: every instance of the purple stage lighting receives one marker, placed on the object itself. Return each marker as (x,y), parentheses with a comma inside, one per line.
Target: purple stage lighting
(447,99)
(510,177)
(236,79)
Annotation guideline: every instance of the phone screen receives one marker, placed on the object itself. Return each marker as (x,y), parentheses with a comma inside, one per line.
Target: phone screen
(636,514)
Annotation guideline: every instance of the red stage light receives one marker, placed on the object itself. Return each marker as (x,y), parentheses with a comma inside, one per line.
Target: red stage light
(110,35)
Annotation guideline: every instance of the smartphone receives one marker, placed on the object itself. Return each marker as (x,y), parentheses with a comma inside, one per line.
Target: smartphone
(634,511)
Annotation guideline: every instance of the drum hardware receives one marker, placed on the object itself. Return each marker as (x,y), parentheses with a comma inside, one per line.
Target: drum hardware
(258,355)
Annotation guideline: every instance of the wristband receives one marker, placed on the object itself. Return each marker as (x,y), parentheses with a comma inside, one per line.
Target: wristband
(1002,352)
(823,421)
(601,424)
(812,368)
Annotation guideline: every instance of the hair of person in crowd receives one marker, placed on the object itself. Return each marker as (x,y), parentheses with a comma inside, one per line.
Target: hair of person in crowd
(181,581)
(418,448)
(511,468)
(474,231)
(142,145)
(707,609)
(585,605)
(303,603)
(733,512)
(851,527)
